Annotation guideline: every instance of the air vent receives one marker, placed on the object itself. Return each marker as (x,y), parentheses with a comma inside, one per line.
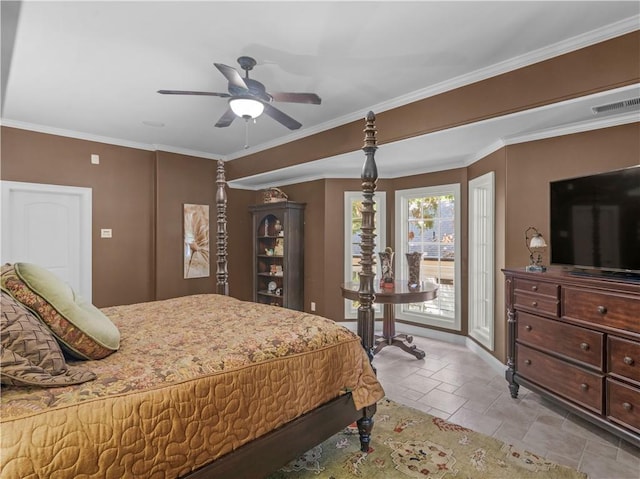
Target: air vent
(617,107)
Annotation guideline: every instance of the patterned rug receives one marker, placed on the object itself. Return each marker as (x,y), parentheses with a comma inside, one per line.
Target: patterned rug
(407,443)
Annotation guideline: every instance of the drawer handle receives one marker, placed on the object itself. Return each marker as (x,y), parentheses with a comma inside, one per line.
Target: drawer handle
(534,304)
(527,327)
(628,361)
(602,309)
(527,362)
(627,406)
(584,386)
(534,288)
(584,346)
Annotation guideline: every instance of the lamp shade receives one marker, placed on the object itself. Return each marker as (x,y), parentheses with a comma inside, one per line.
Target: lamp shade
(537,241)
(246,107)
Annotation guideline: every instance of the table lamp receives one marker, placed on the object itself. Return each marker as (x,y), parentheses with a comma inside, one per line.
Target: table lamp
(536,245)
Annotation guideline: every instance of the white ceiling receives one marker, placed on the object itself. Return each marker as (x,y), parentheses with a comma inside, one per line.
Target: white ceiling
(92,70)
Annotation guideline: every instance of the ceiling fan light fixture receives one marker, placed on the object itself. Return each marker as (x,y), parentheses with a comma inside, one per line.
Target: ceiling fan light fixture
(247,108)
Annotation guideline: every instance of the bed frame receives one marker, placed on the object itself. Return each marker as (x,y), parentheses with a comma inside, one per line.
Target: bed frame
(270,452)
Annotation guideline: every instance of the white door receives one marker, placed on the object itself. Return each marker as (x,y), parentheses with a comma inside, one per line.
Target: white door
(49,225)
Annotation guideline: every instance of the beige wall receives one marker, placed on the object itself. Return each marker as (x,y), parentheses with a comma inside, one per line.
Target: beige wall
(123,188)
(531,166)
(139,194)
(181,179)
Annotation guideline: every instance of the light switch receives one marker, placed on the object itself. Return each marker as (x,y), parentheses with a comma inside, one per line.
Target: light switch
(105,233)
(95,159)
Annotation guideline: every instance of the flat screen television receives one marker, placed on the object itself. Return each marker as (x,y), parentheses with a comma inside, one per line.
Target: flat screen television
(595,223)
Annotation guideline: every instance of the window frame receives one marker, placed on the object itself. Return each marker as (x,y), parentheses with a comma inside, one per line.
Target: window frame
(380,199)
(402,198)
(481,277)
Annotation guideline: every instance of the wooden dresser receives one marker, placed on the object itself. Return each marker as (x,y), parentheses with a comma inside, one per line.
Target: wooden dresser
(576,340)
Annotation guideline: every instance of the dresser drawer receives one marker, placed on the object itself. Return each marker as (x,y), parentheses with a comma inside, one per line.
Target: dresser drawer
(541,288)
(559,377)
(624,358)
(537,303)
(623,404)
(606,309)
(566,340)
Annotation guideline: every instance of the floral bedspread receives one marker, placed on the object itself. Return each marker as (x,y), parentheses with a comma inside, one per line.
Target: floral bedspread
(195,378)
(182,338)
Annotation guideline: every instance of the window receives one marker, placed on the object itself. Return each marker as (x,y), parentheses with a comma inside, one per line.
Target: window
(353,222)
(428,221)
(481,259)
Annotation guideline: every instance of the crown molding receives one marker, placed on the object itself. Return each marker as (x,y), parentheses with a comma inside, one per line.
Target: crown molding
(79,135)
(188,152)
(579,127)
(608,32)
(22,125)
(584,40)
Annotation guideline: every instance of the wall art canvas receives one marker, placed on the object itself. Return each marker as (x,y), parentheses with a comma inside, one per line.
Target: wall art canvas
(196,241)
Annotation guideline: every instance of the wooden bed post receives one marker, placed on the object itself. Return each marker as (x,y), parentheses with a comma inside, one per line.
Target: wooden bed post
(366,314)
(222,275)
(369,176)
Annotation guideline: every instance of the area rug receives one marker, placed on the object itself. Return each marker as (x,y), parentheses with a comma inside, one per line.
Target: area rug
(407,443)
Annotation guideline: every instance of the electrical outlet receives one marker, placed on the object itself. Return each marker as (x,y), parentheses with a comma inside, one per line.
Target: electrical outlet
(106,233)
(313,306)
(95,159)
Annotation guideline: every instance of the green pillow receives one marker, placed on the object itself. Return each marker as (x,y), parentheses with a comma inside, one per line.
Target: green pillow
(81,328)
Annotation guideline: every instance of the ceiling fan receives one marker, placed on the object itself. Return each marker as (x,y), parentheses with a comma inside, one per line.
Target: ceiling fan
(249,98)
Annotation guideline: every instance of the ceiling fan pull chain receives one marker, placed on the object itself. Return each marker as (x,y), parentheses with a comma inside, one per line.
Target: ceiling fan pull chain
(246,133)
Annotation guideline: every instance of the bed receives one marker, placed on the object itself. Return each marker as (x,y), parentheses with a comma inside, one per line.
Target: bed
(182,394)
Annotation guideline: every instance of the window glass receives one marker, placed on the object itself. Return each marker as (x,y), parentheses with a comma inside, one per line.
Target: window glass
(428,223)
(353,223)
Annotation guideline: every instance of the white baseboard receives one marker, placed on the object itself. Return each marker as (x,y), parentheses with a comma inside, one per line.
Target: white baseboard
(492,361)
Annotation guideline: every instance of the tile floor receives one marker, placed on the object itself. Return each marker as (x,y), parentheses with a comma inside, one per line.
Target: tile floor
(454,383)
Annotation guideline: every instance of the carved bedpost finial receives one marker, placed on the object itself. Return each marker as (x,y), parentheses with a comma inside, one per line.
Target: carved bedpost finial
(370,131)
(222,275)
(369,176)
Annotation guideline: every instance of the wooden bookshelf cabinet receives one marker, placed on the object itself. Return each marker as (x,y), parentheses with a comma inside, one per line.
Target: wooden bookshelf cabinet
(278,254)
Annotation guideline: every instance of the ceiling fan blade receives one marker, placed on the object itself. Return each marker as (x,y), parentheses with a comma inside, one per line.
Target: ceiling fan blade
(282,117)
(292,97)
(232,75)
(226,119)
(203,93)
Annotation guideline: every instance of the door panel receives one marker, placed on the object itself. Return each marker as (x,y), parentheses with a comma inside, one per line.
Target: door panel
(49,225)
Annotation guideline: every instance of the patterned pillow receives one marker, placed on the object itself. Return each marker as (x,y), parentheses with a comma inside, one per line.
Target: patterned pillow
(30,355)
(82,330)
